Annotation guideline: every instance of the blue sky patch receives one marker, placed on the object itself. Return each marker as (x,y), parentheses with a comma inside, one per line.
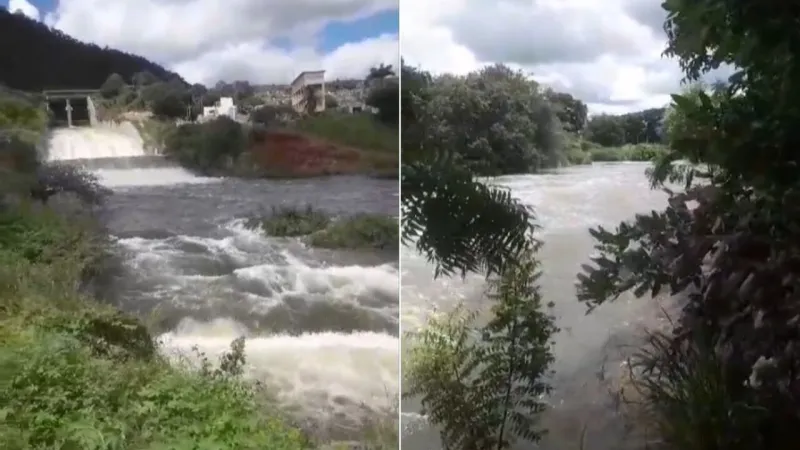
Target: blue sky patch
(333,36)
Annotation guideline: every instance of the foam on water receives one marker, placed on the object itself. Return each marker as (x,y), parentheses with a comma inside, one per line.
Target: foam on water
(121,141)
(159,176)
(116,149)
(233,278)
(328,375)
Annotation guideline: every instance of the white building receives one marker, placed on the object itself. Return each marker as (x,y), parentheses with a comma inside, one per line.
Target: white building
(315,78)
(224,107)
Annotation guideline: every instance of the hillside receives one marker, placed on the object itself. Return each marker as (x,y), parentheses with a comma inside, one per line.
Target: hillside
(34,57)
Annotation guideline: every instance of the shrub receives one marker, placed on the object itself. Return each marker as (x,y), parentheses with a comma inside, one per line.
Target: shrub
(53,178)
(358,232)
(639,152)
(207,147)
(59,395)
(680,394)
(273,115)
(287,221)
(483,385)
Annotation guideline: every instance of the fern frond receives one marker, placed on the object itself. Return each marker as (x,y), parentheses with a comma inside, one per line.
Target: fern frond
(460,224)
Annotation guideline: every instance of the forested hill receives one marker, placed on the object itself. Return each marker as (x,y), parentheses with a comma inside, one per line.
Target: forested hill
(34,57)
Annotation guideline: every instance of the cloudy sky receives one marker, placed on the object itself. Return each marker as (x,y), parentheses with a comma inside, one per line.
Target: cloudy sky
(263,41)
(607,53)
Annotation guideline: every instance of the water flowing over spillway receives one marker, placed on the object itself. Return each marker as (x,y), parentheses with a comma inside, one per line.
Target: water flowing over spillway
(320,326)
(104,141)
(567,203)
(116,154)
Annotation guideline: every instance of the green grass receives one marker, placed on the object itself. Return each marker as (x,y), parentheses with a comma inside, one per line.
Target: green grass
(78,375)
(640,152)
(360,130)
(363,231)
(679,394)
(358,232)
(22,116)
(75,374)
(287,221)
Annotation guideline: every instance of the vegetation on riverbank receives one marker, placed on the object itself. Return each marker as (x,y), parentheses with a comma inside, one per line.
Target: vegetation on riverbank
(724,374)
(357,232)
(75,373)
(225,147)
(543,129)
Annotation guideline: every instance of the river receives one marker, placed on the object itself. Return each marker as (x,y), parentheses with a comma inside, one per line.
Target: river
(321,326)
(590,348)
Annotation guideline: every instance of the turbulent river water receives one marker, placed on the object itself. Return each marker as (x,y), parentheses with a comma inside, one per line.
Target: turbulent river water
(590,348)
(321,326)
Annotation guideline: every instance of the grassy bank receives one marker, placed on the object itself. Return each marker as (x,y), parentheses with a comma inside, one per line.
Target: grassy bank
(357,232)
(327,144)
(360,130)
(77,374)
(584,152)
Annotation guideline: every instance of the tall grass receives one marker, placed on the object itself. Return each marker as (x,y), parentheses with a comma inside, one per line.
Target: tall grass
(359,130)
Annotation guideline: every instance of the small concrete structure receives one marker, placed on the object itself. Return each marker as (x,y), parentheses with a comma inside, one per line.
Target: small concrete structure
(224,107)
(315,78)
(56,96)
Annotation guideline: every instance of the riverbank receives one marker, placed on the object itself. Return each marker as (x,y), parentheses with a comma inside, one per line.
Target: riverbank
(77,372)
(324,145)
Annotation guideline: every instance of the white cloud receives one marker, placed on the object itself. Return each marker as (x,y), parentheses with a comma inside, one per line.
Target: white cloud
(606,53)
(24,7)
(208,40)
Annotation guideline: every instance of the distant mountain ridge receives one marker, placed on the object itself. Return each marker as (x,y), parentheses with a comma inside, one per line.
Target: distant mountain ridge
(35,57)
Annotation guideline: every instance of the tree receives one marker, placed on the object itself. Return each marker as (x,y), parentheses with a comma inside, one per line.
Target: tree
(144,78)
(572,112)
(386,99)
(496,120)
(726,377)
(272,115)
(434,188)
(380,72)
(113,86)
(482,384)
(473,381)
(606,130)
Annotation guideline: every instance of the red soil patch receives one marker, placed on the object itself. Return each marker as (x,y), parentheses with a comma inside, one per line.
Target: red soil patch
(290,154)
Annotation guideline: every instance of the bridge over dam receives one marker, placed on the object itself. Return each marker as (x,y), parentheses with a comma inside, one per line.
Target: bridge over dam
(71,107)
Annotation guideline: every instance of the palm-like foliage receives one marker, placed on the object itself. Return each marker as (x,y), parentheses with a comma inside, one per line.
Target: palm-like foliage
(460,224)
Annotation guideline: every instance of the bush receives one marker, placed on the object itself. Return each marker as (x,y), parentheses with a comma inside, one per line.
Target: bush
(363,231)
(289,221)
(473,381)
(639,152)
(59,395)
(273,115)
(208,147)
(679,393)
(113,86)
(385,97)
(75,374)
